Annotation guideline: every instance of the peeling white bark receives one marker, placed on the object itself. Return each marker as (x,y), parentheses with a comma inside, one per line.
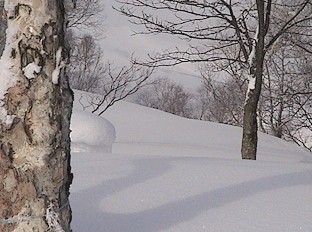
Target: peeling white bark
(34,118)
(8,77)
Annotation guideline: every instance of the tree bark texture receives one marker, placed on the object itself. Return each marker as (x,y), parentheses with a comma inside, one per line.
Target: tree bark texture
(35,173)
(250,125)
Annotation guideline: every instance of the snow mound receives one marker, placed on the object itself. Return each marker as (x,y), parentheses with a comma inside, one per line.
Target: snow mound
(142,130)
(91,132)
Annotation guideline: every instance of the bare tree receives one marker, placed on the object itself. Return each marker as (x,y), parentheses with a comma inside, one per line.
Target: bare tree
(274,103)
(85,25)
(222,101)
(36,104)
(167,96)
(87,16)
(285,100)
(86,68)
(88,72)
(223,87)
(202,104)
(300,128)
(281,112)
(116,85)
(248,27)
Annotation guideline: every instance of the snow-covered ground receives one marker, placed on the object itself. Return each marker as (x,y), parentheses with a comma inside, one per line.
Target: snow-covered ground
(167,173)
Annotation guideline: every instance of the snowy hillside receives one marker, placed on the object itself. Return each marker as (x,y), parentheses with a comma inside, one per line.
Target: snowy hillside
(167,173)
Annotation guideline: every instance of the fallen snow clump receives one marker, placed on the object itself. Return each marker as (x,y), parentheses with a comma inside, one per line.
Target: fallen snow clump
(90,131)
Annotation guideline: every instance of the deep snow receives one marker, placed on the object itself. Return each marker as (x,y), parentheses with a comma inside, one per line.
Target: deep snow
(168,173)
(93,132)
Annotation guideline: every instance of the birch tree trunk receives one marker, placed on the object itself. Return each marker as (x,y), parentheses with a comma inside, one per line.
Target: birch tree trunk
(35,110)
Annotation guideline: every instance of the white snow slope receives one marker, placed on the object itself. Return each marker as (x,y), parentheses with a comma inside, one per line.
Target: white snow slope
(167,173)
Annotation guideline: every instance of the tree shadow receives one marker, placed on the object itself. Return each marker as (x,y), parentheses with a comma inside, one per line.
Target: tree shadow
(87,213)
(92,219)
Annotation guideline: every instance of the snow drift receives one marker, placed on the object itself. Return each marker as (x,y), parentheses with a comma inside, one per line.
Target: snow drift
(91,133)
(170,174)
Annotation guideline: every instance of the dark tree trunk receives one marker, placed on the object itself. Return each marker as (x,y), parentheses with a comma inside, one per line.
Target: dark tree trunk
(250,124)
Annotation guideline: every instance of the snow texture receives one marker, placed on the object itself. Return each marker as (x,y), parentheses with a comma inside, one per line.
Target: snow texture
(251,61)
(251,83)
(173,174)
(58,67)
(170,174)
(90,132)
(31,69)
(252,55)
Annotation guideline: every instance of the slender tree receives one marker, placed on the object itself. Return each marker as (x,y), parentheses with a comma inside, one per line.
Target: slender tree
(248,28)
(36,104)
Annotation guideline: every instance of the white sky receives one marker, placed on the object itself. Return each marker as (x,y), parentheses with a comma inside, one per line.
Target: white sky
(120,44)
